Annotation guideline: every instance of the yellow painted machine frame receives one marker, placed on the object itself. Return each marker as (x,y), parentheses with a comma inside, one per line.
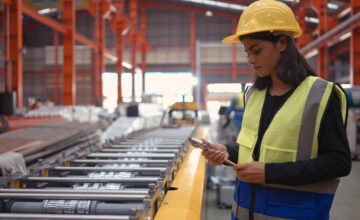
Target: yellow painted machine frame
(186,202)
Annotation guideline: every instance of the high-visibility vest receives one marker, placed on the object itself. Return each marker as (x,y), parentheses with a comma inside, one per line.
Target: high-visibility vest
(291,136)
(239,107)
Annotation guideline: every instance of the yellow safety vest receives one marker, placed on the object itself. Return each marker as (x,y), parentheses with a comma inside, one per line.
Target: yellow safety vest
(293,133)
(239,101)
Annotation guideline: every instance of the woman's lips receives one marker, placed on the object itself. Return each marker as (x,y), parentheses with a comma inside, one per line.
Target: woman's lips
(257,68)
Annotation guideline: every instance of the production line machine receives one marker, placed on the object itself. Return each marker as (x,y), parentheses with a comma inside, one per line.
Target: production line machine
(127,178)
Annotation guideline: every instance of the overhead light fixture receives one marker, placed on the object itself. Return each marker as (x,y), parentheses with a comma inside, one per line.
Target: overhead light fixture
(47,10)
(219,4)
(208,13)
(312,20)
(329,5)
(345,36)
(311,54)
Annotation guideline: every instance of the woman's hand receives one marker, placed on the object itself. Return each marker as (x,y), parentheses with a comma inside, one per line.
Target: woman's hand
(251,172)
(216,154)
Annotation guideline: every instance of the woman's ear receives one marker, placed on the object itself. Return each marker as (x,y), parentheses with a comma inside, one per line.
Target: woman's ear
(282,43)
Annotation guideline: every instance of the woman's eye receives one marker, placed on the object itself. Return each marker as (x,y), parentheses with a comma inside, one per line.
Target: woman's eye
(257,52)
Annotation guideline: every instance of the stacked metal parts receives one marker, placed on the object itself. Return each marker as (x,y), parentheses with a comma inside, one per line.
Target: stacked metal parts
(125,179)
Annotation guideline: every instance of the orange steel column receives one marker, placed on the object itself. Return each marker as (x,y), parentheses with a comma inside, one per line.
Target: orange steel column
(133,20)
(234,65)
(143,47)
(101,53)
(323,55)
(355,48)
(204,94)
(119,44)
(94,9)
(301,12)
(16,44)
(69,80)
(97,11)
(6,36)
(192,49)
(56,68)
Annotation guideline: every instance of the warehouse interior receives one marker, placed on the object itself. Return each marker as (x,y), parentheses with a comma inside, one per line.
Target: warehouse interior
(98,100)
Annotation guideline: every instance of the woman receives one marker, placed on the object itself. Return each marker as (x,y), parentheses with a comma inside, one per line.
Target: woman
(292,146)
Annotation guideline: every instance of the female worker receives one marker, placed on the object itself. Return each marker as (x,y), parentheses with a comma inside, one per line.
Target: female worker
(292,146)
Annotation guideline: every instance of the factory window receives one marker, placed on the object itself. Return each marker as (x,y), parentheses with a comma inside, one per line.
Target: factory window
(171,86)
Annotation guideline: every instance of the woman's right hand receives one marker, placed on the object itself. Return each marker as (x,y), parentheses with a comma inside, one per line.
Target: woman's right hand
(216,154)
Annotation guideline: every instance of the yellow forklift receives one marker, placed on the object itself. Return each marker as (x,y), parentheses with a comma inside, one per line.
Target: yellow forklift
(183,113)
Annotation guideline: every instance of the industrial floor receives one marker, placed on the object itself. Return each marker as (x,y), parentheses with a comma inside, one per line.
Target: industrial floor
(346,204)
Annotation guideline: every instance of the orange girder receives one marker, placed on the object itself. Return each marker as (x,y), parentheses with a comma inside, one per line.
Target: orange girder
(355,48)
(143,7)
(6,36)
(69,80)
(234,65)
(119,43)
(133,19)
(323,54)
(56,68)
(44,19)
(16,44)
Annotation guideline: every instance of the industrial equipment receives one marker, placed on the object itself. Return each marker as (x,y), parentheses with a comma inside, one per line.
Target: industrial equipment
(183,113)
(125,178)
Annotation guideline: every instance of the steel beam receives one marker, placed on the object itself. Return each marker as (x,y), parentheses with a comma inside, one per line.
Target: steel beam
(73,196)
(234,65)
(69,80)
(76,191)
(323,54)
(56,68)
(156,4)
(133,20)
(119,44)
(16,57)
(98,161)
(101,52)
(7,64)
(192,49)
(355,48)
(143,24)
(9,2)
(93,180)
(45,20)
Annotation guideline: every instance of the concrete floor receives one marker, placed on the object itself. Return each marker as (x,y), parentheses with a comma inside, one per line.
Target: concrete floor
(346,204)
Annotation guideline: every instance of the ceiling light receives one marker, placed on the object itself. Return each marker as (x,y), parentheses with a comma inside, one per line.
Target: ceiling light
(208,13)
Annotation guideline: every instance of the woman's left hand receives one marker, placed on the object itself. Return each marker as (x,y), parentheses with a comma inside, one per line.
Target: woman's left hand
(251,172)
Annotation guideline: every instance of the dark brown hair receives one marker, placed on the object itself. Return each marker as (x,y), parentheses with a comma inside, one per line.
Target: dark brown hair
(292,67)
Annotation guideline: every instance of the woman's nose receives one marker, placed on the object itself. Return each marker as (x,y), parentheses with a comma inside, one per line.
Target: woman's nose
(251,60)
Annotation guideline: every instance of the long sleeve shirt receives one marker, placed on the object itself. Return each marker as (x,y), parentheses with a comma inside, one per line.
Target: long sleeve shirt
(334,159)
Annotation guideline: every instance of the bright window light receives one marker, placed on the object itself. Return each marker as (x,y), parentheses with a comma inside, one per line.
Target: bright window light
(126,86)
(110,87)
(224,88)
(172,86)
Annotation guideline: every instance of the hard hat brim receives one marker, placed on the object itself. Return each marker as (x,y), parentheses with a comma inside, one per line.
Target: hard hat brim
(231,39)
(235,37)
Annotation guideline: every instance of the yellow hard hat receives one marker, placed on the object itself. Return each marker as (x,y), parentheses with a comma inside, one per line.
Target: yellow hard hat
(265,15)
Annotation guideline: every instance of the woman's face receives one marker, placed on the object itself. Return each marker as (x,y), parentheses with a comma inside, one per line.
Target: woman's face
(263,55)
